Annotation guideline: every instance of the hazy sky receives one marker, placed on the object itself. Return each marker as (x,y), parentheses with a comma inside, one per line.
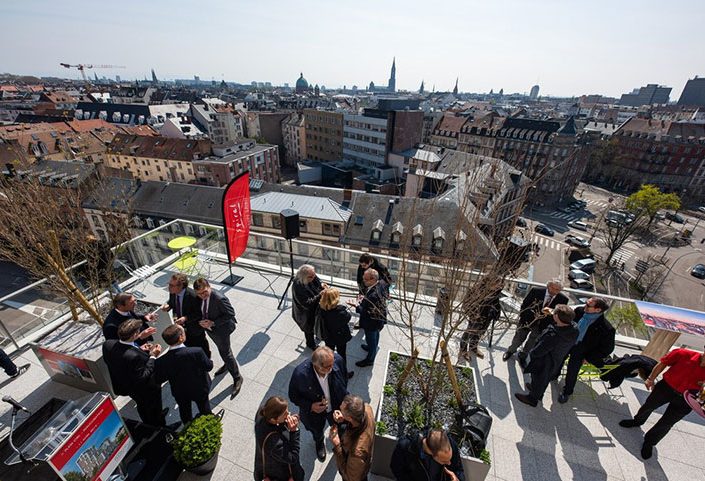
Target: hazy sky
(568,47)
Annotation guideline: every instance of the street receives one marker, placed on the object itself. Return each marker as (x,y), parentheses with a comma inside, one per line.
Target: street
(678,289)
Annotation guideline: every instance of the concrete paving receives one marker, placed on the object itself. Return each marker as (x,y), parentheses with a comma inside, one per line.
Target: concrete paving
(579,440)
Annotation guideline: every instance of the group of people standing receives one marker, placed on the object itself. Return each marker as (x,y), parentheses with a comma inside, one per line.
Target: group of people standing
(319,389)
(135,364)
(320,315)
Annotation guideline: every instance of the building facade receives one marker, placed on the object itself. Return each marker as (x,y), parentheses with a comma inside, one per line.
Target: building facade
(694,92)
(294,136)
(324,135)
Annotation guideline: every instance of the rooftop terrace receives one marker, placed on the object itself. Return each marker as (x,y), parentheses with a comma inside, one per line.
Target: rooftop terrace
(580,440)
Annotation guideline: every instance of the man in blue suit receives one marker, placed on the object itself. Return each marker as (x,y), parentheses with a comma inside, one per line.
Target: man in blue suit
(318,386)
(186,369)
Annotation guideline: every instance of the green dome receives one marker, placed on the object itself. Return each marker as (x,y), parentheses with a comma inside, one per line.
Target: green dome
(301,83)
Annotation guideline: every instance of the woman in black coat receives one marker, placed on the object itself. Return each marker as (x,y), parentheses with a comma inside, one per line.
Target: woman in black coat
(277,442)
(332,323)
(306,293)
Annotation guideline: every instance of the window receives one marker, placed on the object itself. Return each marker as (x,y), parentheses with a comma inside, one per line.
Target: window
(396,237)
(276,222)
(302,226)
(376,235)
(257,219)
(416,241)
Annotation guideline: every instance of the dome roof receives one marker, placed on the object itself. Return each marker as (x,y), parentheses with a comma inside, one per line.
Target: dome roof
(301,83)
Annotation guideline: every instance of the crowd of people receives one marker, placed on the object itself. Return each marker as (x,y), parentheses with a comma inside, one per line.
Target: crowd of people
(550,335)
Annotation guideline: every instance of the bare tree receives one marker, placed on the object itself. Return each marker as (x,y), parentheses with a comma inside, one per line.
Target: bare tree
(617,231)
(45,231)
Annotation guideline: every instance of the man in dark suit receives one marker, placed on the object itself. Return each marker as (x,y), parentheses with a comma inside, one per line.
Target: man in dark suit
(123,310)
(595,342)
(546,358)
(317,386)
(186,369)
(186,307)
(373,315)
(218,319)
(131,369)
(532,317)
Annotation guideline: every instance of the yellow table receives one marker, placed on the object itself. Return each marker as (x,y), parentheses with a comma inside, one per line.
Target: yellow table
(179,243)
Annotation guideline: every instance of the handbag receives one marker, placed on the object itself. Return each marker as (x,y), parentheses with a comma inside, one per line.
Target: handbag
(266,478)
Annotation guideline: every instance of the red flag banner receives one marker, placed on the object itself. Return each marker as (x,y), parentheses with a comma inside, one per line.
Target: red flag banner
(236,215)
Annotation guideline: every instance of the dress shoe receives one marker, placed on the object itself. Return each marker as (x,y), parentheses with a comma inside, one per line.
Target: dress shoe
(236,387)
(507,355)
(364,363)
(365,347)
(563,398)
(222,370)
(478,354)
(321,451)
(526,399)
(629,423)
(351,374)
(647,450)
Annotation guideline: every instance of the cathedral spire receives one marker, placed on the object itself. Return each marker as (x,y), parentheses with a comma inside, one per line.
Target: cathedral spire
(455,89)
(392,84)
(421,88)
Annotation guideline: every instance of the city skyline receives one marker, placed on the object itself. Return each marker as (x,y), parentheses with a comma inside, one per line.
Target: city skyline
(568,51)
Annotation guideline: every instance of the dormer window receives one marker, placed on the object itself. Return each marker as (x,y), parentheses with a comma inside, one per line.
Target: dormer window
(460,240)
(377,230)
(439,237)
(397,231)
(417,235)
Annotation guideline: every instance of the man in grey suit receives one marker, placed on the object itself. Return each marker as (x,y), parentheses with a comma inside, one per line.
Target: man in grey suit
(219,322)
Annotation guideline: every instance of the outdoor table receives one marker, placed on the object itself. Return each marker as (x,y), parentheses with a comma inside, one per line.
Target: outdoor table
(182,242)
(669,322)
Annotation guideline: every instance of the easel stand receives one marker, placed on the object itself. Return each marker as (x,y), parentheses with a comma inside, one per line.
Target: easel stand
(291,279)
(232,279)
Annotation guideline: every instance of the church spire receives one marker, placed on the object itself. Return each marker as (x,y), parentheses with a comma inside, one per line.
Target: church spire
(455,89)
(421,88)
(392,84)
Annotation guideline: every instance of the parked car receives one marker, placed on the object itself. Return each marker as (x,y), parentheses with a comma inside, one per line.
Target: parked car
(582,284)
(578,274)
(577,224)
(585,265)
(660,215)
(521,222)
(702,209)
(698,271)
(576,241)
(675,217)
(579,253)
(543,229)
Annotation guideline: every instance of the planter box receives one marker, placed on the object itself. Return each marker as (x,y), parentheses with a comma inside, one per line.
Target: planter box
(475,469)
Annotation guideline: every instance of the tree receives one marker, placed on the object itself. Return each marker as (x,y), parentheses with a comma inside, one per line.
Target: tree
(649,199)
(45,231)
(615,233)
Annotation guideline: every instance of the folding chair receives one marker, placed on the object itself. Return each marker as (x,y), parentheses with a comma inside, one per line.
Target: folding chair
(590,373)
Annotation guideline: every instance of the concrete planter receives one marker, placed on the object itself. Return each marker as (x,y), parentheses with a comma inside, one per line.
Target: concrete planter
(475,469)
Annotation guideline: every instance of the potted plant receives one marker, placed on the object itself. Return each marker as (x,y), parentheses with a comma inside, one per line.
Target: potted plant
(196,447)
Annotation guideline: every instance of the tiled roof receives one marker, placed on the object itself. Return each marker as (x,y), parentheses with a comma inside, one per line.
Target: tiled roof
(159,147)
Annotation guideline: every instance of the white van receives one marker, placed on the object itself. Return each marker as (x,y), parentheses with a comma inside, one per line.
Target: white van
(576,224)
(585,265)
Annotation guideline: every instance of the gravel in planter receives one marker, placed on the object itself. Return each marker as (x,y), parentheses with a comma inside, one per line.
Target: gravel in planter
(406,411)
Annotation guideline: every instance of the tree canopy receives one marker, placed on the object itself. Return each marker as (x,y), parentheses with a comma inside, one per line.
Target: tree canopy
(649,199)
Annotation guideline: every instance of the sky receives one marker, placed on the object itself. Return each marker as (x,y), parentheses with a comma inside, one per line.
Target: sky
(567,47)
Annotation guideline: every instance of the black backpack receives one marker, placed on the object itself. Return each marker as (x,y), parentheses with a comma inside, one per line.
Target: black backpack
(472,428)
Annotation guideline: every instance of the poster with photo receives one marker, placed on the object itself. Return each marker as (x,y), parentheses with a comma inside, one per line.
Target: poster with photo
(94,450)
(68,365)
(669,318)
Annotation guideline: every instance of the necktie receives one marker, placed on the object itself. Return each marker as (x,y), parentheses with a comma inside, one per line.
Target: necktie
(178,306)
(205,308)
(547,301)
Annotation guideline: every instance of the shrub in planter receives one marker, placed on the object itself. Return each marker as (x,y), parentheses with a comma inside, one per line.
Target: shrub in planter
(196,447)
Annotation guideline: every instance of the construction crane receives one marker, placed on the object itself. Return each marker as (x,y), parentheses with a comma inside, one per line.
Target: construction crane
(83,66)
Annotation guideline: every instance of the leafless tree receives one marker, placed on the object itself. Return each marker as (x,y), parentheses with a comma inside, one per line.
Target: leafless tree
(45,231)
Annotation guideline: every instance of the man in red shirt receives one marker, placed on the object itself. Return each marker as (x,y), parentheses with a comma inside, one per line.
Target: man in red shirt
(686,370)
